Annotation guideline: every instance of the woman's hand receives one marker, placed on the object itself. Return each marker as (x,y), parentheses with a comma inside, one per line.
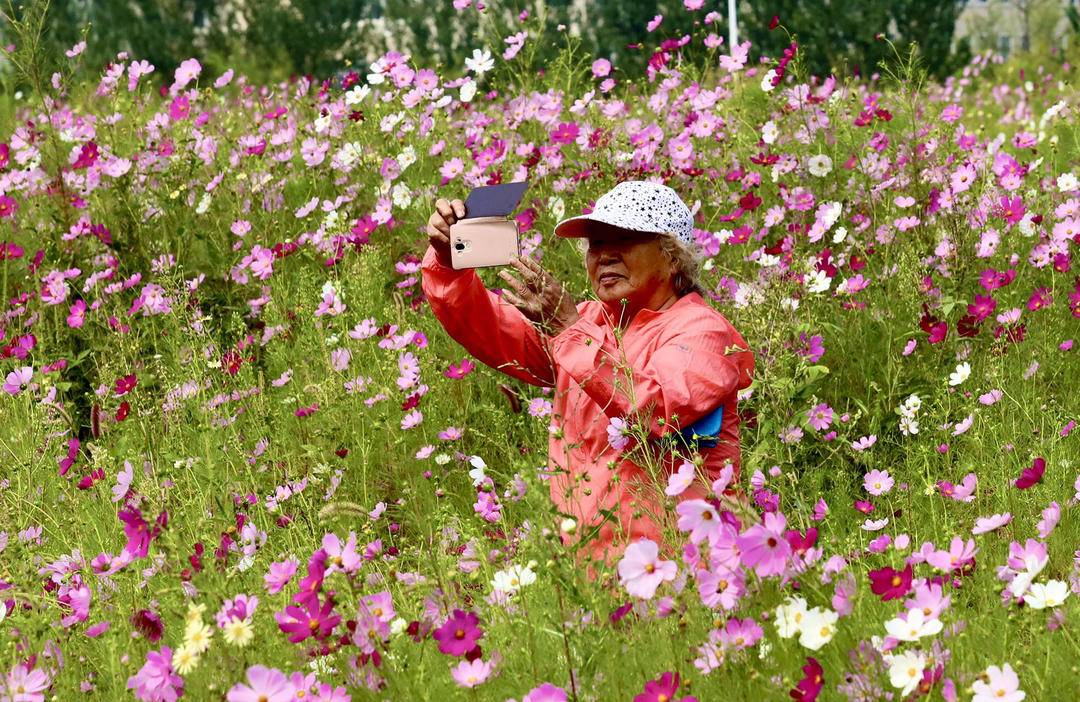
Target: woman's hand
(541,298)
(438,228)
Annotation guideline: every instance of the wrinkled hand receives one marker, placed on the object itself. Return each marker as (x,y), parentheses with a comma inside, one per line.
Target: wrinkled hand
(540,297)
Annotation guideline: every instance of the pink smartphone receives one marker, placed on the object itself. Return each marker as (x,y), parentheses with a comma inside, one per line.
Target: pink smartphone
(483,241)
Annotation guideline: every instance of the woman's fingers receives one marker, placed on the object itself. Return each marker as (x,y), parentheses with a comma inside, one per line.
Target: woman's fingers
(513,282)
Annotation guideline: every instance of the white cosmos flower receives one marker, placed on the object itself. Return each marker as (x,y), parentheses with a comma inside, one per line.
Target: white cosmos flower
(477,472)
(790,617)
(818,628)
(820,165)
(766,82)
(468,90)
(818,282)
(357,94)
(905,670)
(1050,594)
(769,132)
(513,578)
(480,63)
(1067,182)
(962,372)
(916,626)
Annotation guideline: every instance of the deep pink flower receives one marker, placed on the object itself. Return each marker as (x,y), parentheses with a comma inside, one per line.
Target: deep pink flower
(1033,475)
(808,689)
(891,584)
(308,619)
(663,690)
(156,681)
(459,633)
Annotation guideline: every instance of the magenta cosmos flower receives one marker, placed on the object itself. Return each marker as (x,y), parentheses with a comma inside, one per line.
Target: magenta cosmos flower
(309,619)
(641,570)
(663,690)
(264,685)
(763,546)
(156,681)
(459,633)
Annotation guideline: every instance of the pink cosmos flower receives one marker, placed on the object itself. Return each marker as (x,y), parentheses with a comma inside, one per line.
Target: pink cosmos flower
(864,442)
(740,633)
(763,546)
(987,524)
(878,482)
(545,693)
(25,684)
(1002,686)
(820,416)
(279,575)
(641,570)
(959,555)
(156,681)
(617,433)
(471,673)
(964,492)
(264,685)
(721,588)
(700,519)
(18,380)
(680,479)
(1050,517)
(341,556)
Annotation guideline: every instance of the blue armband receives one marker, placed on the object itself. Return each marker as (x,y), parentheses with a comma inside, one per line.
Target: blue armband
(705,431)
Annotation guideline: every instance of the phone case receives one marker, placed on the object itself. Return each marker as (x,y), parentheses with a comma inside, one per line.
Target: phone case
(477,242)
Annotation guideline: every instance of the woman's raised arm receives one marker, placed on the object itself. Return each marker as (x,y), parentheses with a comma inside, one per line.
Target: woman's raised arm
(492,330)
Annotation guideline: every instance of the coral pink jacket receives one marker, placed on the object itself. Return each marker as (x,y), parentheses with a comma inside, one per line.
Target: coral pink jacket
(686,360)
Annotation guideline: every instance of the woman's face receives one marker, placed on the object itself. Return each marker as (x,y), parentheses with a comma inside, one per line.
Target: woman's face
(628,265)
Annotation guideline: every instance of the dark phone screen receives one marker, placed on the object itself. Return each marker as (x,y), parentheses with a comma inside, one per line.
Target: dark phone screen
(494,200)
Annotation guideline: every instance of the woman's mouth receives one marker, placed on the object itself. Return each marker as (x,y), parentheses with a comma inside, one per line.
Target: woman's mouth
(609,278)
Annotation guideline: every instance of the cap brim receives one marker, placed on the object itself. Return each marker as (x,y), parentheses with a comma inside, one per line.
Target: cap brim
(584,225)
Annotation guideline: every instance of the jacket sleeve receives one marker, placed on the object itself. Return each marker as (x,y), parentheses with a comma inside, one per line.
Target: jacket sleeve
(493,331)
(684,379)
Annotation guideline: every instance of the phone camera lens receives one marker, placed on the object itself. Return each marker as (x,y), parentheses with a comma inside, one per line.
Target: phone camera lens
(459,246)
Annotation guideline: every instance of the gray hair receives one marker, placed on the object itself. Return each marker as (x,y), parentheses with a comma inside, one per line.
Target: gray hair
(685,262)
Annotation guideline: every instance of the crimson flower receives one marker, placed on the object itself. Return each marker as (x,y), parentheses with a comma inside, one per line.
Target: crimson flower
(808,689)
(149,624)
(864,506)
(774,22)
(126,384)
(1033,475)
(891,584)
(459,633)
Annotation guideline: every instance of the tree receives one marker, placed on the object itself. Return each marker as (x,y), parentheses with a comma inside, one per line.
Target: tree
(838,35)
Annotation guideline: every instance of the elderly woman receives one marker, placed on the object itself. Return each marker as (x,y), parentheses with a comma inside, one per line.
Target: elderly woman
(648,352)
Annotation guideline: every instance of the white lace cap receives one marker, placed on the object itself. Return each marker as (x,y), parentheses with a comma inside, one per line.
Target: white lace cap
(637,205)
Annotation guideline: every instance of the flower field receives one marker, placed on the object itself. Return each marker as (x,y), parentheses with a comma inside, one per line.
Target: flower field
(241,460)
